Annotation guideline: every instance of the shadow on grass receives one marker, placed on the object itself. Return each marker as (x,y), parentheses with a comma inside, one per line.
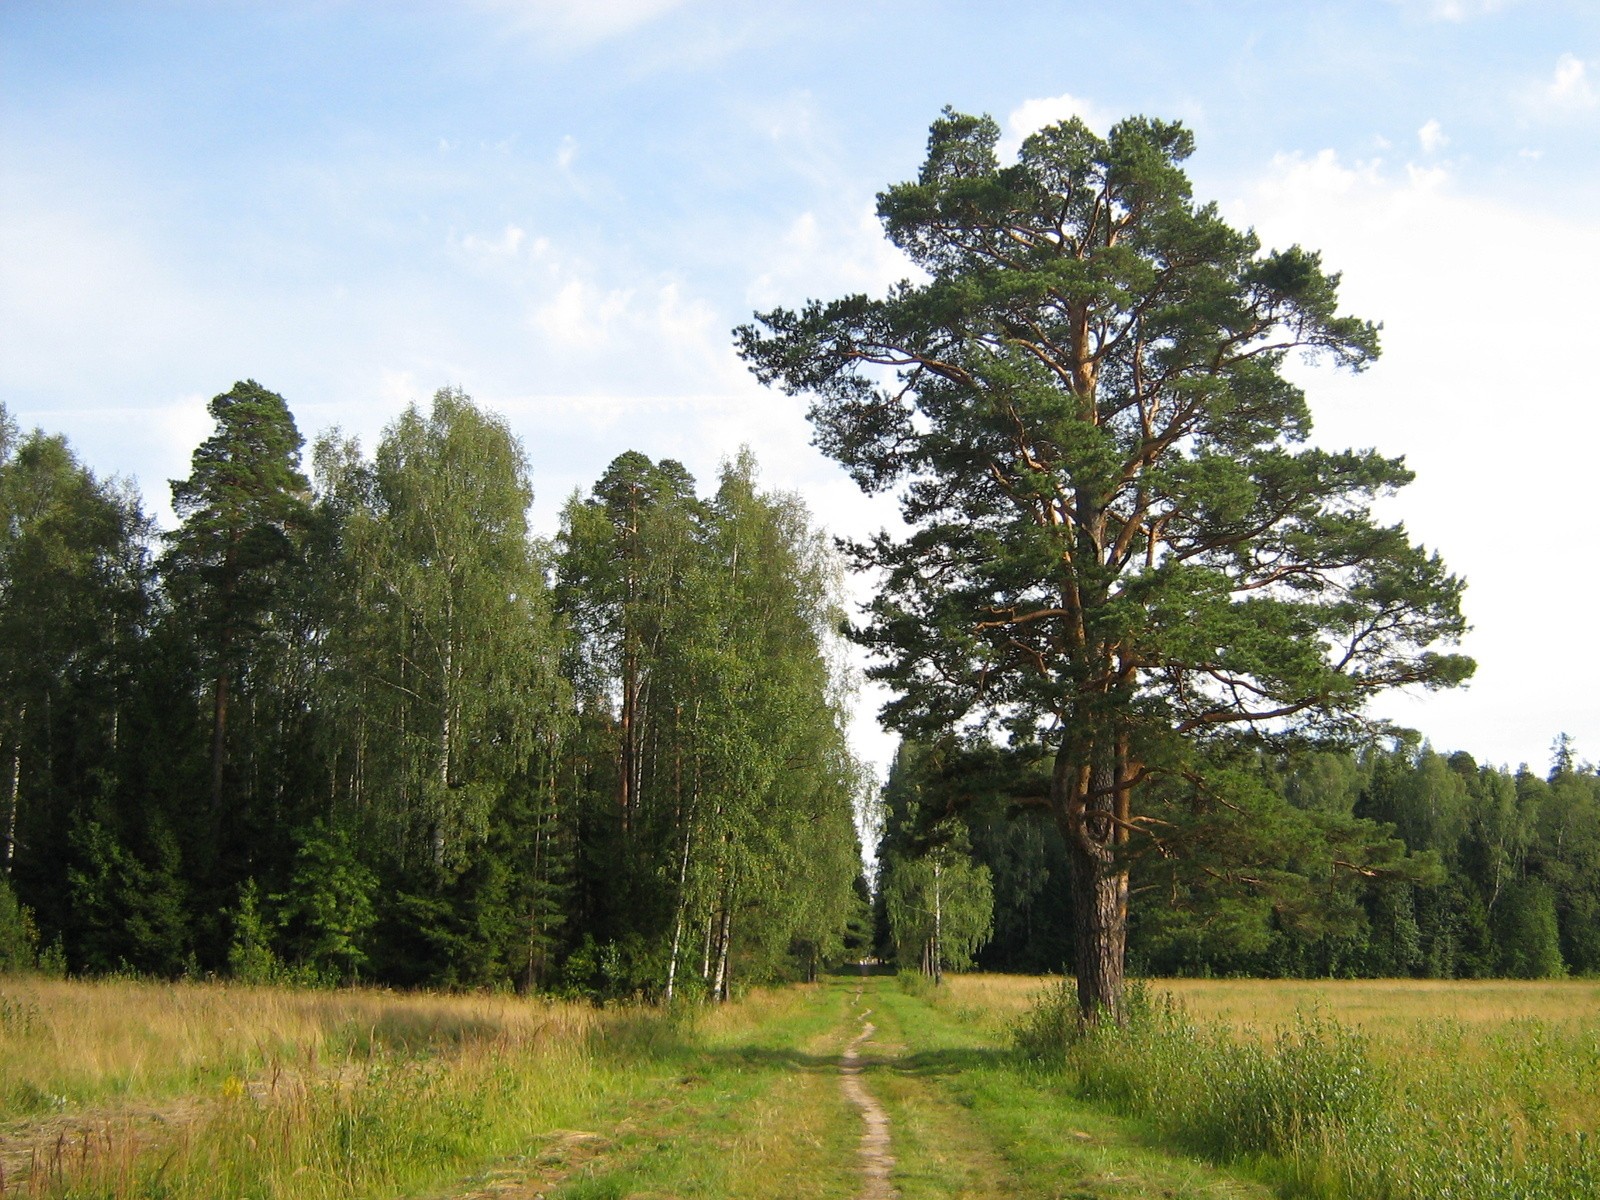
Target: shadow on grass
(765,1058)
(927,1064)
(940,1064)
(419,1032)
(857,970)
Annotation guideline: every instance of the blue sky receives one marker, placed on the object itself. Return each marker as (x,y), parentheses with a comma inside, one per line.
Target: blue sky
(564,207)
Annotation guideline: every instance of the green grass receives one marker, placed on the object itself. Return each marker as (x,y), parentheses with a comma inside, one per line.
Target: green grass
(1323,1109)
(972,1120)
(755,1111)
(136,1090)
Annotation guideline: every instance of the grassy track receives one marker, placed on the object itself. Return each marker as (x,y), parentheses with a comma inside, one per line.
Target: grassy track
(969,1123)
(749,1106)
(193,1092)
(763,1115)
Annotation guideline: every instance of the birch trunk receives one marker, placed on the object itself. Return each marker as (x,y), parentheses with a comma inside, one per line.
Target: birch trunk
(719,989)
(683,901)
(15,790)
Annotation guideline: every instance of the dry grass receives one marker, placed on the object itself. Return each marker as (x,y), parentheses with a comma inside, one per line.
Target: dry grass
(65,1044)
(1378,1006)
(122,1089)
(1382,1005)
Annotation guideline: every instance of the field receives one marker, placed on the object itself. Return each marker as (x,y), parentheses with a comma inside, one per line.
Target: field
(1231,1088)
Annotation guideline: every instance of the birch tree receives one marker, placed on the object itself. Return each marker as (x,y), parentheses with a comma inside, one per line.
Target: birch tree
(450,654)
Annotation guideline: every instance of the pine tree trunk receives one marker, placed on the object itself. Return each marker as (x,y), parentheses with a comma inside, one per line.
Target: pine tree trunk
(219,740)
(1099,889)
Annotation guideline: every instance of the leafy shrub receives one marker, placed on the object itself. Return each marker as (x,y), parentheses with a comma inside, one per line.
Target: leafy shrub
(19,940)
(250,956)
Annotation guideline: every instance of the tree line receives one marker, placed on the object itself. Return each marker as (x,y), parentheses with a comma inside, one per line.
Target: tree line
(1468,870)
(365,725)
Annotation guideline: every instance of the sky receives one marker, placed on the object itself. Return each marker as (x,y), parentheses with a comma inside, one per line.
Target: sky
(563,207)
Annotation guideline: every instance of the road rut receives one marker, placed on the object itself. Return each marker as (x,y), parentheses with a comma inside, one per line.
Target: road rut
(876,1161)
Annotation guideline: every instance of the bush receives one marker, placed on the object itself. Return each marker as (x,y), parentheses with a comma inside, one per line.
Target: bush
(19,940)
(250,956)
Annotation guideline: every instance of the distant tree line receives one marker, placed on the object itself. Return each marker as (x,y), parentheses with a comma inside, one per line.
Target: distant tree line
(366,725)
(1462,870)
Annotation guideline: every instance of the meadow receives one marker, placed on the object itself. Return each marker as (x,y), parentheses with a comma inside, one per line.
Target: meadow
(1219,1088)
(1393,1089)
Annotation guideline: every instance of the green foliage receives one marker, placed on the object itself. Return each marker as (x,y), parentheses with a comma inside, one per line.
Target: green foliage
(328,908)
(228,566)
(1526,932)
(1120,553)
(19,937)
(940,908)
(721,791)
(441,770)
(74,598)
(131,910)
(450,661)
(250,955)
(1490,874)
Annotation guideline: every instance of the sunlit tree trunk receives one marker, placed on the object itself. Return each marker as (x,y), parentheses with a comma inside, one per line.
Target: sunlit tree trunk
(719,987)
(14,799)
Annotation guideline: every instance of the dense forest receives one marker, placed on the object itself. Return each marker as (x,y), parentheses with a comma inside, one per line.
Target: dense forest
(364,725)
(1468,870)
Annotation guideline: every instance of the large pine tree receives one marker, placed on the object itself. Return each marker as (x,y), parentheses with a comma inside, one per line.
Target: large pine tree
(1120,552)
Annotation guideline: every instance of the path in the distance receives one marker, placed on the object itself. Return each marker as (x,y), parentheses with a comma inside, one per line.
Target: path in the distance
(876,1161)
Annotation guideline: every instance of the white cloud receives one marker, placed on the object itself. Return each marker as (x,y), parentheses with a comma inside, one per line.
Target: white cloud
(837,253)
(1568,91)
(788,118)
(1432,137)
(1492,413)
(581,23)
(567,152)
(70,271)
(1455,10)
(581,314)
(398,388)
(1033,115)
(507,245)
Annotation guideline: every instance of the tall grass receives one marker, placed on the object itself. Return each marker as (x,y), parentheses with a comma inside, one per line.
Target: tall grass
(120,1089)
(1447,1110)
(70,1044)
